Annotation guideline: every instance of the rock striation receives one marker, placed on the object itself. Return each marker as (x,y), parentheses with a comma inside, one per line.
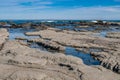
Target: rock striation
(106,50)
(19,62)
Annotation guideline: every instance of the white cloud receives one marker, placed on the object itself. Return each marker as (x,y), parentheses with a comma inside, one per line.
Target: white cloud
(11,9)
(21,3)
(110,12)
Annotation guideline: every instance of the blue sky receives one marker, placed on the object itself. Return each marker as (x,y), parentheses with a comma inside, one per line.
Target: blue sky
(60,9)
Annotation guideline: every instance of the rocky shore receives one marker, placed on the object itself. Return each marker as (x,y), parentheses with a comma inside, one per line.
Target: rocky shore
(79,25)
(20,62)
(106,50)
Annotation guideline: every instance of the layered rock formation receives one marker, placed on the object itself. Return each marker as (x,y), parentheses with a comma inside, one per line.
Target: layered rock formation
(19,62)
(106,50)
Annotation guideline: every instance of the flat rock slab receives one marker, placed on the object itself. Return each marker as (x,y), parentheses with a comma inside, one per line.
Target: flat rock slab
(19,62)
(113,35)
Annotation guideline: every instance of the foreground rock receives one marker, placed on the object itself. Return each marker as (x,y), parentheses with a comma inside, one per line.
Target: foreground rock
(3,36)
(19,62)
(106,50)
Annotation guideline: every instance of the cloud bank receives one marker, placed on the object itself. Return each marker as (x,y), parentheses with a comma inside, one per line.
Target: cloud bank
(47,9)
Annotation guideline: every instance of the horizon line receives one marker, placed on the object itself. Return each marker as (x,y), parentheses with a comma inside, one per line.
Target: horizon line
(59,19)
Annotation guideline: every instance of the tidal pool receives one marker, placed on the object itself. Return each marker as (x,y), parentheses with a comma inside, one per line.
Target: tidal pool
(87,58)
(19,32)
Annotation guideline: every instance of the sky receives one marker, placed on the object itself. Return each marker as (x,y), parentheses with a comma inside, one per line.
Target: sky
(60,9)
